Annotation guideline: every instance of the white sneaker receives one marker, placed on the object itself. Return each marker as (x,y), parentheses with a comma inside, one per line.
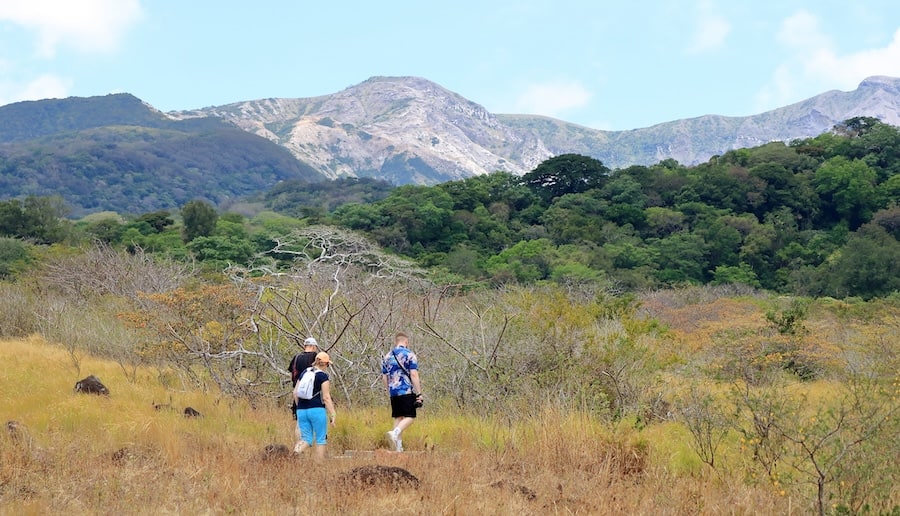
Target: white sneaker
(399,445)
(395,442)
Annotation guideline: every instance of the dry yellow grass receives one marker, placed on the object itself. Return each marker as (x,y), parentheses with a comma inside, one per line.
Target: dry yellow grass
(118,455)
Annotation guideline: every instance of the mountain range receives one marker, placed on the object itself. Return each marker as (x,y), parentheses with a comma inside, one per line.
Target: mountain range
(116,152)
(410,130)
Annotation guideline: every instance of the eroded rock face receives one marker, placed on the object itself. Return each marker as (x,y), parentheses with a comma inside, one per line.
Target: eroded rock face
(411,130)
(385,477)
(403,129)
(91,385)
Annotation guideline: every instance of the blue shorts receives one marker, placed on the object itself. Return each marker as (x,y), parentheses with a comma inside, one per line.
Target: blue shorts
(313,422)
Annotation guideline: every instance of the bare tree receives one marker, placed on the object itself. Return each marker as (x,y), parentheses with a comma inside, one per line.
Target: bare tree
(341,289)
(707,423)
(850,441)
(469,337)
(82,292)
(104,270)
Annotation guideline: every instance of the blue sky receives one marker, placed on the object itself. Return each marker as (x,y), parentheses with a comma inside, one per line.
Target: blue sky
(605,65)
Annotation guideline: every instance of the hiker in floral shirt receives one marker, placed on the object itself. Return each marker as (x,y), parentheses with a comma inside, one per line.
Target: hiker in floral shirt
(400,370)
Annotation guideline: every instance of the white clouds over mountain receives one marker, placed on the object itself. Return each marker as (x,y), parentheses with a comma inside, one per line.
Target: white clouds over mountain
(552,98)
(82,26)
(86,25)
(46,86)
(811,57)
(710,31)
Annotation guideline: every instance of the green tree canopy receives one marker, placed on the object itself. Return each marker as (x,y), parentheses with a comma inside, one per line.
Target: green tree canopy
(565,174)
(158,220)
(849,188)
(40,219)
(199,220)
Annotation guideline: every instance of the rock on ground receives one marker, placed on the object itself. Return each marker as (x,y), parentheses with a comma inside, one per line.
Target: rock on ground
(91,385)
(390,477)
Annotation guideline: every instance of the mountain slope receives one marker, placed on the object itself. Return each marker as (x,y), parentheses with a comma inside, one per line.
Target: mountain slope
(28,120)
(410,130)
(117,153)
(405,129)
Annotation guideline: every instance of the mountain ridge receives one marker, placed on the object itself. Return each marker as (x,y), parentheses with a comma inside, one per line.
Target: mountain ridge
(358,130)
(412,130)
(116,152)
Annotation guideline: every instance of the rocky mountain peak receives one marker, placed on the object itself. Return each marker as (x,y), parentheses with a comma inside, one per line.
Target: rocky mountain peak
(406,129)
(881,82)
(411,130)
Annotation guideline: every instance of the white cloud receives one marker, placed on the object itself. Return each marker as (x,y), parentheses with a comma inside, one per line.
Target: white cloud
(552,98)
(43,87)
(801,30)
(711,30)
(812,65)
(86,25)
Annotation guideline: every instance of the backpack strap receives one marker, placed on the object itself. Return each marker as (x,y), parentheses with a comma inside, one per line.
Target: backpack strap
(404,369)
(315,371)
(292,370)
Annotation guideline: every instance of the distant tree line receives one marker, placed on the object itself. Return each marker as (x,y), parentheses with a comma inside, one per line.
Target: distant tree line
(818,216)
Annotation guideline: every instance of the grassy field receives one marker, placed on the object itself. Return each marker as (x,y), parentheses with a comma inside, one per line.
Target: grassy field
(90,454)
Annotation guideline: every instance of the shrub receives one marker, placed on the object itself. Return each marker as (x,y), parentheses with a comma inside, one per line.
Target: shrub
(14,257)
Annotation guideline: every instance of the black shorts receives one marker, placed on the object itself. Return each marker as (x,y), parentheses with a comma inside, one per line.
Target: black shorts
(403,405)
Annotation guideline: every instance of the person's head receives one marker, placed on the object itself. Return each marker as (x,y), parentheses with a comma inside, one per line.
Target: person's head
(401,339)
(310,344)
(322,360)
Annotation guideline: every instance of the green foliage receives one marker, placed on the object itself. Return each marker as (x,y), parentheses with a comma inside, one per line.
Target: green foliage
(276,223)
(302,199)
(566,174)
(14,257)
(789,321)
(816,217)
(36,218)
(681,258)
(735,275)
(525,262)
(107,230)
(158,220)
(111,153)
(221,251)
(575,217)
(21,121)
(199,220)
(569,273)
(849,188)
(867,265)
(856,126)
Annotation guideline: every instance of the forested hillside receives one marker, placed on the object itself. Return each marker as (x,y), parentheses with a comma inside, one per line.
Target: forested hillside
(815,217)
(28,120)
(818,217)
(116,153)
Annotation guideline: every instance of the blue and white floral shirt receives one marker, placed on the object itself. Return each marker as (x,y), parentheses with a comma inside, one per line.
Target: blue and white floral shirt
(399,382)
